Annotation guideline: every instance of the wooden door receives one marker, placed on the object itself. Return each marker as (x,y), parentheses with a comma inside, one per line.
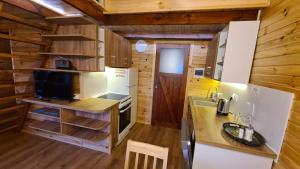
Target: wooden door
(169,85)
(211,57)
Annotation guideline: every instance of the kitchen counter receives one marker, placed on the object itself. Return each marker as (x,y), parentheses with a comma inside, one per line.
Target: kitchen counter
(209,131)
(90,105)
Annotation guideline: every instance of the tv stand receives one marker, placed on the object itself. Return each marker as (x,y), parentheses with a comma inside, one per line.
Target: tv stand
(91,123)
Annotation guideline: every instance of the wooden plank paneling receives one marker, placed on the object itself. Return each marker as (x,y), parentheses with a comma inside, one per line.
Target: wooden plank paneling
(136,6)
(277,65)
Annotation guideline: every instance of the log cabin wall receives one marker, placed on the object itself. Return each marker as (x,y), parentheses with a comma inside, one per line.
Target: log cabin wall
(145,63)
(277,65)
(16,64)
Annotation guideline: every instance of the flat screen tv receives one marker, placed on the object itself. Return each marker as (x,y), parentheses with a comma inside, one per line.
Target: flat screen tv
(57,85)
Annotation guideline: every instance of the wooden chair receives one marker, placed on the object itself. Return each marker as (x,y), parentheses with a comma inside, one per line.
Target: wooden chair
(148,150)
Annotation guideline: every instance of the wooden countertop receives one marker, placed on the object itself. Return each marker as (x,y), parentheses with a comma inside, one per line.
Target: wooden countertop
(209,130)
(90,105)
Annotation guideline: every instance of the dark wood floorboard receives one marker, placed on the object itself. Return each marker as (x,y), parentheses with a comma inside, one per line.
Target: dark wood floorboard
(25,151)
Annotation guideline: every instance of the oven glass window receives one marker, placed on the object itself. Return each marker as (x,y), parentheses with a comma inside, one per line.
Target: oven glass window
(125,116)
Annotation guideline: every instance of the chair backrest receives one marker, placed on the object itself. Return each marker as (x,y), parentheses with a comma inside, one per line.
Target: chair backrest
(148,150)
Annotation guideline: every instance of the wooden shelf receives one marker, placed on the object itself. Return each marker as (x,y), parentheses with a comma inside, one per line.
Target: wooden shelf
(67,54)
(19,56)
(88,123)
(69,20)
(62,70)
(89,135)
(68,37)
(48,126)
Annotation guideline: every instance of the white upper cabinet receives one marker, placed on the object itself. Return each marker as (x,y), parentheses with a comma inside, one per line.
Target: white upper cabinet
(230,54)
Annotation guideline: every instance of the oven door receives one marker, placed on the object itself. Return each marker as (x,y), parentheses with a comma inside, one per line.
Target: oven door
(187,143)
(124,117)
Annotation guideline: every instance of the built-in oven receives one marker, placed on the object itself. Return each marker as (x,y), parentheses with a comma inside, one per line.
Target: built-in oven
(188,141)
(124,117)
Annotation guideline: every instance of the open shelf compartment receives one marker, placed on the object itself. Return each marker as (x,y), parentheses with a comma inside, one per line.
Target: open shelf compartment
(45,125)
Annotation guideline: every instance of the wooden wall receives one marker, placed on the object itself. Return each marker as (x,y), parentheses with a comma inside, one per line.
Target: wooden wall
(15,75)
(145,64)
(277,65)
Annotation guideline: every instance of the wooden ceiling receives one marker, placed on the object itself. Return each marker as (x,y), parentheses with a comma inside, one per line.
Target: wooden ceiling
(173,25)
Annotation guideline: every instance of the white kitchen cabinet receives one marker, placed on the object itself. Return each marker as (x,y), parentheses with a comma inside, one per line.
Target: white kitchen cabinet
(231,60)
(210,157)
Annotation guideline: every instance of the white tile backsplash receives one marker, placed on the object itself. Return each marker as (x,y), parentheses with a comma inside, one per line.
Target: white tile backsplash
(272,109)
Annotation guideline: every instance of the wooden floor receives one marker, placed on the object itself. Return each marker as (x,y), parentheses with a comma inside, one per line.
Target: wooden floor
(25,151)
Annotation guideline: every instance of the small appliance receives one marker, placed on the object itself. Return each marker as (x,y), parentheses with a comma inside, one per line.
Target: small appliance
(63,64)
(223,107)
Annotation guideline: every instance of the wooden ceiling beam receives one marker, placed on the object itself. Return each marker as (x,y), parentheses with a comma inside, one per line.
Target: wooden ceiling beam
(89,7)
(179,18)
(170,36)
(32,7)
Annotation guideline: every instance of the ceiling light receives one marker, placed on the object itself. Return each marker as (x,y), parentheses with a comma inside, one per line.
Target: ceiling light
(49,6)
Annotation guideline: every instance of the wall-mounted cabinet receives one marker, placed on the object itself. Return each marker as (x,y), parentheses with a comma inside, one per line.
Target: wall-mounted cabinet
(117,51)
(230,53)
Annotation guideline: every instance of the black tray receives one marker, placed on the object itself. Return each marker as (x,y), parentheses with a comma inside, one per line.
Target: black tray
(232,129)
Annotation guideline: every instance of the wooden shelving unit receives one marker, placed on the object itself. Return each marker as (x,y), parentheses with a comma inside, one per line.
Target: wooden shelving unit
(87,123)
(69,37)
(86,129)
(66,54)
(69,20)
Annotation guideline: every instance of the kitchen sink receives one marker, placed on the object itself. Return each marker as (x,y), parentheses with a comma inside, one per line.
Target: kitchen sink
(198,101)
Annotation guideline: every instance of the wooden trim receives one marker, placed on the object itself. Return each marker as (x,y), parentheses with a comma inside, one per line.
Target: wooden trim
(23,21)
(205,37)
(189,18)
(19,39)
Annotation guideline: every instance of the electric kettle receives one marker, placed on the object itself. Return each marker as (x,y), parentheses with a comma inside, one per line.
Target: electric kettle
(223,107)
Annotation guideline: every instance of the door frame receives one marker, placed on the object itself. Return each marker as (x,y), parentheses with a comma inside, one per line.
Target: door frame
(187,47)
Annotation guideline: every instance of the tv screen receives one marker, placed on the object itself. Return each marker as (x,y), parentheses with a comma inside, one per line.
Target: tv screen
(58,85)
